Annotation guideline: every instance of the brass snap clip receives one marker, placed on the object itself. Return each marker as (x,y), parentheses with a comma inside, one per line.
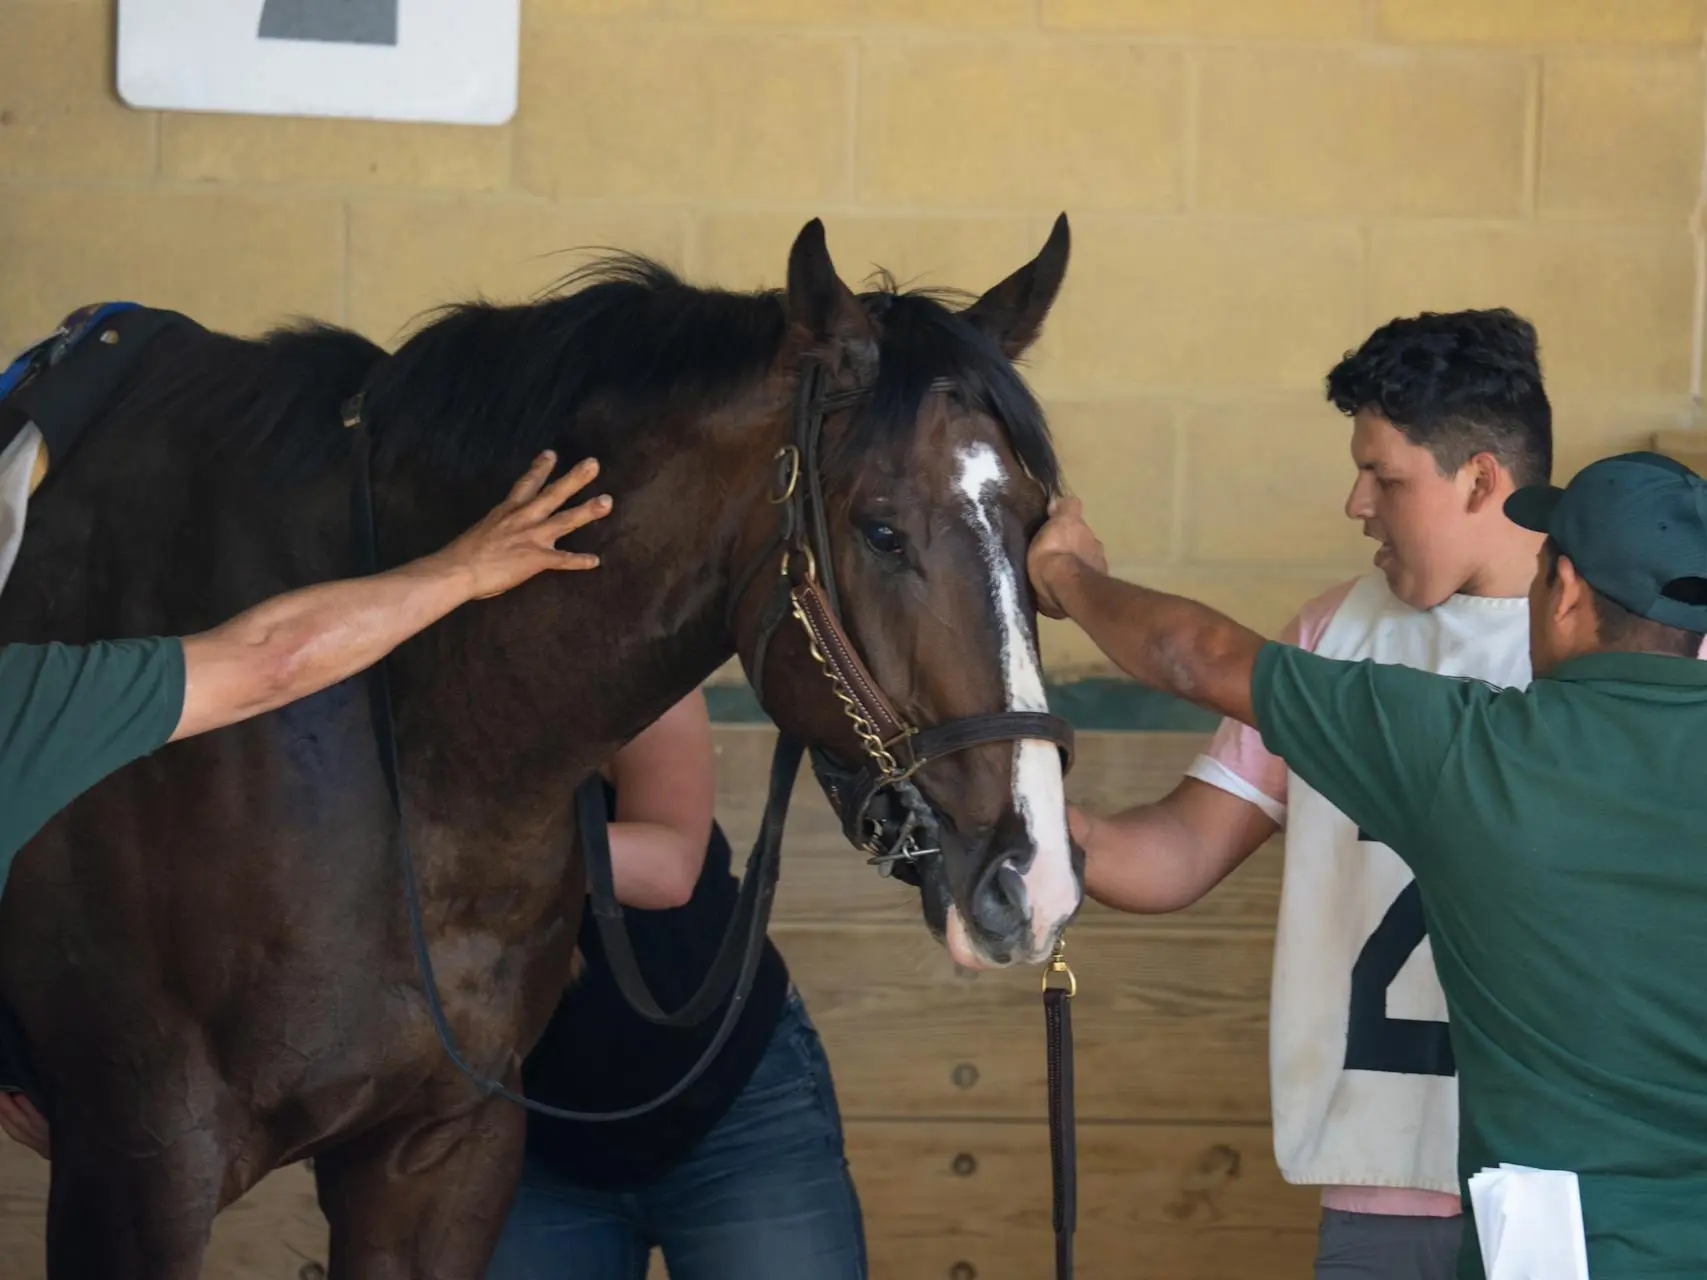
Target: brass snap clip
(1059,976)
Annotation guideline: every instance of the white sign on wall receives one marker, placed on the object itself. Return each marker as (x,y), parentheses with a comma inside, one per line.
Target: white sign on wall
(446,60)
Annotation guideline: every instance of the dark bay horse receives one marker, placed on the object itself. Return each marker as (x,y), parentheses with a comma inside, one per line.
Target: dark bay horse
(209,951)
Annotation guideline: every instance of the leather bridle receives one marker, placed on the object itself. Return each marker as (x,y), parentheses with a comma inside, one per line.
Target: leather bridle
(881,810)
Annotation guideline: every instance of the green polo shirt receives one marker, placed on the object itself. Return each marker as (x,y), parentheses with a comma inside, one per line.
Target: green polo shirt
(72,714)
(1559,839)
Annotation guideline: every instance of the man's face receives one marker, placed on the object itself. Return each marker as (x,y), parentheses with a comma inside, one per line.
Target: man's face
(1421,518)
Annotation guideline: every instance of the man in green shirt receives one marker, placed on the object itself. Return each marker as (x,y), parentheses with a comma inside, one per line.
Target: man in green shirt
(1558,834)
(72,714)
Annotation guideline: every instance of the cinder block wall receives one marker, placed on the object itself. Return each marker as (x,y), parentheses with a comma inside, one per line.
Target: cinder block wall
(1254,185)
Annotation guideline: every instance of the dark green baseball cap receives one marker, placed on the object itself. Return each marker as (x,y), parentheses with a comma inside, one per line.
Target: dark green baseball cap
(1635,527)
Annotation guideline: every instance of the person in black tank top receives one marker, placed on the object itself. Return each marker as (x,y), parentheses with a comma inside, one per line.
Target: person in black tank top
(744,1175)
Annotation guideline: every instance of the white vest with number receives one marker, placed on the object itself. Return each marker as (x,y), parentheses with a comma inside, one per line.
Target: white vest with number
(1361,1071)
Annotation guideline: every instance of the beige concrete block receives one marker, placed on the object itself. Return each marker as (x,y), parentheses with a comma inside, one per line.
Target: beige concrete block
(1377,131)
(409,256)
(959,13)
(1068,653)
(1240,19)
(1118,456)
(750,250)
(974,123)
(1584,431)
(1687,445)
(1264,599)
(546,10)
(315,152)
(1543,21)
(230,260)
(1621,135)
(1611,304)
(1266,482)
(672,114)
(1166,303)
(59,116)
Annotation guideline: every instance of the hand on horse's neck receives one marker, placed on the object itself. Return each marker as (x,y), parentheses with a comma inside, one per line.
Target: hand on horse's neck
(523,695)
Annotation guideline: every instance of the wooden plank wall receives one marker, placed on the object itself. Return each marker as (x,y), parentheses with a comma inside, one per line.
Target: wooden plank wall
(940,1072)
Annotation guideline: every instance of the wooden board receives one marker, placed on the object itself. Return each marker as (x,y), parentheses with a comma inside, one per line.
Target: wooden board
(1110,768)
(1168,1201)
(826,879)
(1166,1026)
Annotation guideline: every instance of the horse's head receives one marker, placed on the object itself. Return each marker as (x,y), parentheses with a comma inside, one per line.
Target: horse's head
(900,640)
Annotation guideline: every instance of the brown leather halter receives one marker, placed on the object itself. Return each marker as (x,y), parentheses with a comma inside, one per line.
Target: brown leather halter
(881,811)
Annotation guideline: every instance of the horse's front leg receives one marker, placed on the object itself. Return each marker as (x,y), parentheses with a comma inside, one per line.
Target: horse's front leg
(137,1179)
(108,1220)
(422,1197)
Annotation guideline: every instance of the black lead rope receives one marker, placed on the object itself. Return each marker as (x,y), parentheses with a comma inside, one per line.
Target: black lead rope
(1063,1149)
(753,907)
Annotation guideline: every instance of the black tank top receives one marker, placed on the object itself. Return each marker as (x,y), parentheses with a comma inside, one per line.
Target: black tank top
(597,1054)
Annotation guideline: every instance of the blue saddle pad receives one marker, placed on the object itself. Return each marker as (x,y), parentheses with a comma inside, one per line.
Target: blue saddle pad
(58,344)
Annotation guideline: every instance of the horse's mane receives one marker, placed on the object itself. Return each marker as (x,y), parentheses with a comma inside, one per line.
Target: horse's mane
(482,387)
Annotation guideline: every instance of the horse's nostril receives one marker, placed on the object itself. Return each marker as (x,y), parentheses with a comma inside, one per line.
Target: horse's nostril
(999,900)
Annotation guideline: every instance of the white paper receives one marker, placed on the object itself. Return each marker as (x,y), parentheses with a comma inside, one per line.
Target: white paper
(442,60)
(1529,1223)
(17,467)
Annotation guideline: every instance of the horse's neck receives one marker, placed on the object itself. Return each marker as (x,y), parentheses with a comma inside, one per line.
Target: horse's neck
(511,701)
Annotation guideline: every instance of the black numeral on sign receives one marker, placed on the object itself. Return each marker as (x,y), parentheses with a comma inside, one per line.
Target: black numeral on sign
(1375,1042)
(338,21)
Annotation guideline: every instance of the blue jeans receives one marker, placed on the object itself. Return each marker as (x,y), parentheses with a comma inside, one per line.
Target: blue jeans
(764,1196)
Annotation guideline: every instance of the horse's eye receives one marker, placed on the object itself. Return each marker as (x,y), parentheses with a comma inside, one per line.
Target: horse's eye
(882,538)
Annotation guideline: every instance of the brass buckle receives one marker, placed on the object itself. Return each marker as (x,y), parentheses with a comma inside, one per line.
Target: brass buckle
(1059,976)
(791,455)
(805,549)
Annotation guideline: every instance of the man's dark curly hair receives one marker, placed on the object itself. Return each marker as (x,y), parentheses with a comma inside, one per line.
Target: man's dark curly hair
(1457,384)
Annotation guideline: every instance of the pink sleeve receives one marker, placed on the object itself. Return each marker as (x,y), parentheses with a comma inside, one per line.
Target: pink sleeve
(1236,760)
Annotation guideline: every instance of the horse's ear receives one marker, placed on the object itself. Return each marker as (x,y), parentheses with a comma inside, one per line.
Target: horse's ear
(824,311)
(1012,313)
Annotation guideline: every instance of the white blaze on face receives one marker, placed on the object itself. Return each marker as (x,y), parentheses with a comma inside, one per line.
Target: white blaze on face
(1052,892)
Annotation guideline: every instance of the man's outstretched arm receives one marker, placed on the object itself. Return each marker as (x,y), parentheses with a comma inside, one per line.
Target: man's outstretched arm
(304,641)
(1167,642)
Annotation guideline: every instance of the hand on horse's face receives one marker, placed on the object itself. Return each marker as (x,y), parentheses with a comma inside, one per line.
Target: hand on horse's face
(23,1123)
(1062,545)
(518,538)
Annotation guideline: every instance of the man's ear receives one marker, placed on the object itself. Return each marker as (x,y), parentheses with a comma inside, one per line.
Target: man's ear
(1570,598)
(1486,482)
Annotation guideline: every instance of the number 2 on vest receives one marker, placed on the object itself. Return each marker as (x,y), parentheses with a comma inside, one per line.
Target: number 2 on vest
(1373,1041)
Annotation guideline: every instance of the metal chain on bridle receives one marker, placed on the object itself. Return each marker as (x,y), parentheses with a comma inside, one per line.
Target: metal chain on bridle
(881,810)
